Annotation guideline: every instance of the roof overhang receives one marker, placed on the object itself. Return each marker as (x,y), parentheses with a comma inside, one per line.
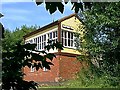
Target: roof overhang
(50,25)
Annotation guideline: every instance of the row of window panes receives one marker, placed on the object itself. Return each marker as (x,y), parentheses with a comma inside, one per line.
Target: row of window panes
(41,41)
(67,38)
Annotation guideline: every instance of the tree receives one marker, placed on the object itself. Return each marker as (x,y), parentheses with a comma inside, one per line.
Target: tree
(53,6)
(20,56)
(12,37)
(102,40)
(102,31)
(16,55)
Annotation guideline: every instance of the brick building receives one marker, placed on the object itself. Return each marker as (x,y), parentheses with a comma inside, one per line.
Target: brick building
(65,64)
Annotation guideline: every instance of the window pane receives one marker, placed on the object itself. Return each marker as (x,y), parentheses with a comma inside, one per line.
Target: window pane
(65,34)
(71,43)
(48,35)
(62,40)
(44,44)
(65,42)
(62,33)
(69,35)
(51,35)
(40,45)
(36,40)
(56,33)
(44,37)
(40,39)
(68,42)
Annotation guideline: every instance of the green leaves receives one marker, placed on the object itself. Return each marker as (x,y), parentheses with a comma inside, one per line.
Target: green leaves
(53,6)
(38,2)
(1,15)
(66,1)
(47,64)
(53,45)
(37,57)
(102,37)
(60,7)
(29,46)
(50,56)
(77,7)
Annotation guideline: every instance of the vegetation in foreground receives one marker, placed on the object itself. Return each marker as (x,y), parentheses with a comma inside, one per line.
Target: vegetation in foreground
(102,44)
(86,80)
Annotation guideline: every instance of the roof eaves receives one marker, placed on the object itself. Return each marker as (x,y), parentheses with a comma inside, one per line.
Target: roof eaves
(66,17)
(41,29)
(49,25)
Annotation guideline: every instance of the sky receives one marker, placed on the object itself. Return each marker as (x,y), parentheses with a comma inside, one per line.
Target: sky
(28,13)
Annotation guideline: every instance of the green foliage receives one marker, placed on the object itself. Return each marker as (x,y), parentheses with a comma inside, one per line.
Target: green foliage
(15,60)
(11,38)
(102,41)
(54,6)
(16,55)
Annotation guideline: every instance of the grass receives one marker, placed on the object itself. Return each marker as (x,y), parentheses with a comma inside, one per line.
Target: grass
(86,79)
(83,82)
(78,84)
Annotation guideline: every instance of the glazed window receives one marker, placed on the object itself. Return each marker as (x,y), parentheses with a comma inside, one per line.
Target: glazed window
(42,40)
(68,39)
(52,36)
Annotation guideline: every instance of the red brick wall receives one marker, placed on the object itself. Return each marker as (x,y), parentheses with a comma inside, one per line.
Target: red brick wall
(69,66)
(43,76)
(65,67)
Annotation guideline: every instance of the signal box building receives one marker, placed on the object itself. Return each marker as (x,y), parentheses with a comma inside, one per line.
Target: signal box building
(66,65)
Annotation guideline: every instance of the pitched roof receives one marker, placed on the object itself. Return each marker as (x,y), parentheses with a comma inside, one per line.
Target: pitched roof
(49,25)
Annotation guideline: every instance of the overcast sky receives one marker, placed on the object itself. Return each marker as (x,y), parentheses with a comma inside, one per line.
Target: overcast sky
(20,13)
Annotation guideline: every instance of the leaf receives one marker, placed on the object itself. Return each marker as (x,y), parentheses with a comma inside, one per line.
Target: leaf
(88,5)
(66,1)
(49,41)
(46,65)
(39,64)
(43,52)
(50,63)
(52,8)
(76,9)
(80,5)
(37,57)
(37,67)
(47,47)
(77,6)
(1,15)
(47,5)
(38,2)
(58,45)
(50,56)
(60,7)
(29,65)
(29,46)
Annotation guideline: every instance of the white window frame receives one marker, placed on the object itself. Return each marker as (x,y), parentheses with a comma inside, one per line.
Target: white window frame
(38,36)
(67,38)
(45,69)
(32,69)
